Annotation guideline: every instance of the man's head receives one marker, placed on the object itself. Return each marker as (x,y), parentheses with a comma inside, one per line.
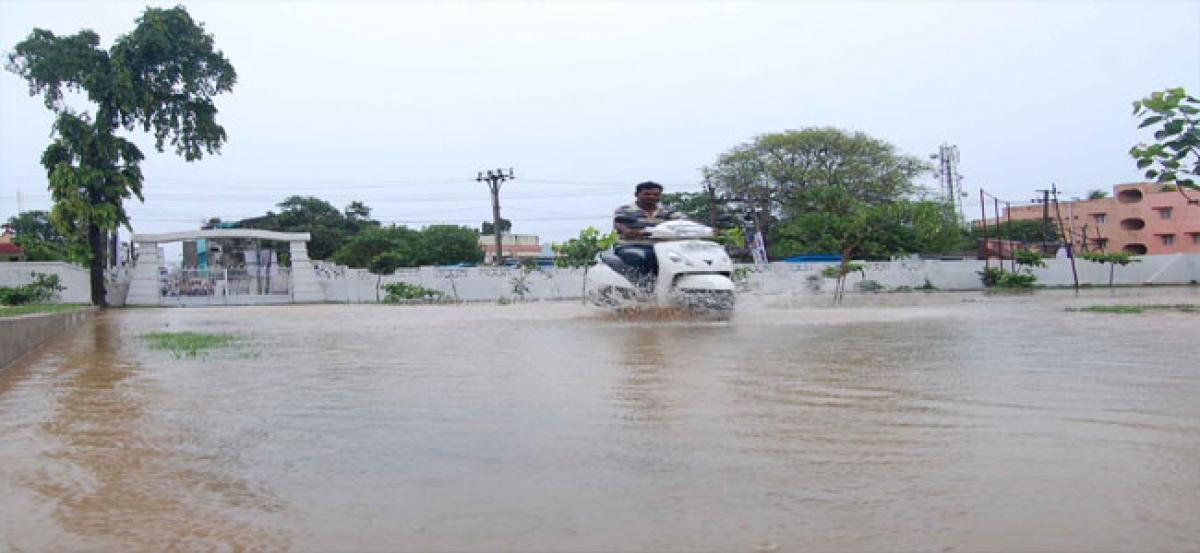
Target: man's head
(648,194)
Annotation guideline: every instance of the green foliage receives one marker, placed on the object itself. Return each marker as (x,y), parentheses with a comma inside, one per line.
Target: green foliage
(842,269)
(329,227)
(832,219)
(772,170)
(741,274)
(187,343)
(731,238)
(997,277)
(869,286)
(1138,309)
(1117,258)
(42,241)
(433,245)
(1175,154)
(490,228)
(1029,258)
(403,291)
(990,276)
(1113,259)
(581,251)
(160,77)
(520,283)
(1016,280)
(43,289)
(13,311)
(446,245)
(1022,230)
(1097,194)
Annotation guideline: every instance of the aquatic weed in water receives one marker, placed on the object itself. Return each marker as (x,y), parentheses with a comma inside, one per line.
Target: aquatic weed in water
(1138,309)
(187,343)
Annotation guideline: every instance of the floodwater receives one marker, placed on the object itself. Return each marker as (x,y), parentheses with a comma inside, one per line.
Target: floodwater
(896,422)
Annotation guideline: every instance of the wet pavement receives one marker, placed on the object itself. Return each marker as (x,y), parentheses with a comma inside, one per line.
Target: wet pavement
(947,421)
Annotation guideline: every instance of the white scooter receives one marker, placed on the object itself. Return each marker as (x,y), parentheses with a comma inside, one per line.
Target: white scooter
(693,273)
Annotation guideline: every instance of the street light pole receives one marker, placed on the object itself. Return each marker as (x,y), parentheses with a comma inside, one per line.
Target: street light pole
(494,179)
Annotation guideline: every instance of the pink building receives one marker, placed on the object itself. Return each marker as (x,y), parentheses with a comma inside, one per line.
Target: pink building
(1141,218)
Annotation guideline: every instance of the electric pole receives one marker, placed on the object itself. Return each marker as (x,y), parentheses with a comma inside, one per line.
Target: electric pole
(711,189)
(1045,201)
(494,179)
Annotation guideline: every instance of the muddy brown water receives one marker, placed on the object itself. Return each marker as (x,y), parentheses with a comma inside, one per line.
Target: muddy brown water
(904,421)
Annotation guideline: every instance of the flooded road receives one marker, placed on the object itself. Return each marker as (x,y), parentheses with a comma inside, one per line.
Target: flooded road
(902,421)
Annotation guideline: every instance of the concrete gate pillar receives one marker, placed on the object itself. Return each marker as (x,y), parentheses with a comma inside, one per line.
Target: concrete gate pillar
(305,287)
(143,287)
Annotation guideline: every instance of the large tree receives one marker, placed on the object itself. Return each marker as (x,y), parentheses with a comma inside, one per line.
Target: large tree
(161,77)
(773,170)
(433,245)
(329,227)
(835,221)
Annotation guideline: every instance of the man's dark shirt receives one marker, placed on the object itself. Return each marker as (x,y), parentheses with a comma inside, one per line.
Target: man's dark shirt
(634,218)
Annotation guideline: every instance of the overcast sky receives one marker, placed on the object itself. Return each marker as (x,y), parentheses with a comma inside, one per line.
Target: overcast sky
(400,104)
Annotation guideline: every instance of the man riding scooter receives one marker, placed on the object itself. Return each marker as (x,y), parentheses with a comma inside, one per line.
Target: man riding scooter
(633,223)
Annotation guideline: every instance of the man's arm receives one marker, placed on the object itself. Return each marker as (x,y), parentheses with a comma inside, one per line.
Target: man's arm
(624,224)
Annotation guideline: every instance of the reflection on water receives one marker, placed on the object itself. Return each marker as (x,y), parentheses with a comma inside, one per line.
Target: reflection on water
(943,421)
(106,473)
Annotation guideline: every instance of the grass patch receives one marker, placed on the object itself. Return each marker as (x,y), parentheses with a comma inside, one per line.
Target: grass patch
(1138,309)
(187,343)
(14,310)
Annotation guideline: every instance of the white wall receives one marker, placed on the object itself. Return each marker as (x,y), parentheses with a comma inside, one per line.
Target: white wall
(341,284)
(73,277)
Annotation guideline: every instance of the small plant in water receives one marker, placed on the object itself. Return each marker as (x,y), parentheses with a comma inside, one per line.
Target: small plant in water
(1138,309)
(187,343)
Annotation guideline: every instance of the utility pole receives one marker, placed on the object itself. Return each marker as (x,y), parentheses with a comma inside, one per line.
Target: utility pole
(711,189)
(494,179)
(1062,230)
(1045,201)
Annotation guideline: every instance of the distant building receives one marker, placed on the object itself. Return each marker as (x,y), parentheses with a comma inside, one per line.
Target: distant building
(1141,218)
(518,246)
(8,250)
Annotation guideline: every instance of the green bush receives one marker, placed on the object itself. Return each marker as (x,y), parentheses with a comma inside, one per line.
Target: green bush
(43,289)
(868,286)
(403,291)
(990,276)
(1016,280)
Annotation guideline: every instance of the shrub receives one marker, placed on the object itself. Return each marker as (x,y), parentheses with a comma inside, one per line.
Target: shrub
(43,289)
(868,286)
(403,291)
(990,276)
(1016,280)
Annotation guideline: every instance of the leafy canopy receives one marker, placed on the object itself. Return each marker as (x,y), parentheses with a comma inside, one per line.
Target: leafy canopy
(581,251)
(42,241)
(1174,157)
(160,77)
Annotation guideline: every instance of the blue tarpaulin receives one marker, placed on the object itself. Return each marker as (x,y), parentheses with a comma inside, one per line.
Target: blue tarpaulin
(814,258)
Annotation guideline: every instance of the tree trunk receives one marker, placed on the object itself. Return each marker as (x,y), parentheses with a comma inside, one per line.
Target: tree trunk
(96,244)
(1111,267)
